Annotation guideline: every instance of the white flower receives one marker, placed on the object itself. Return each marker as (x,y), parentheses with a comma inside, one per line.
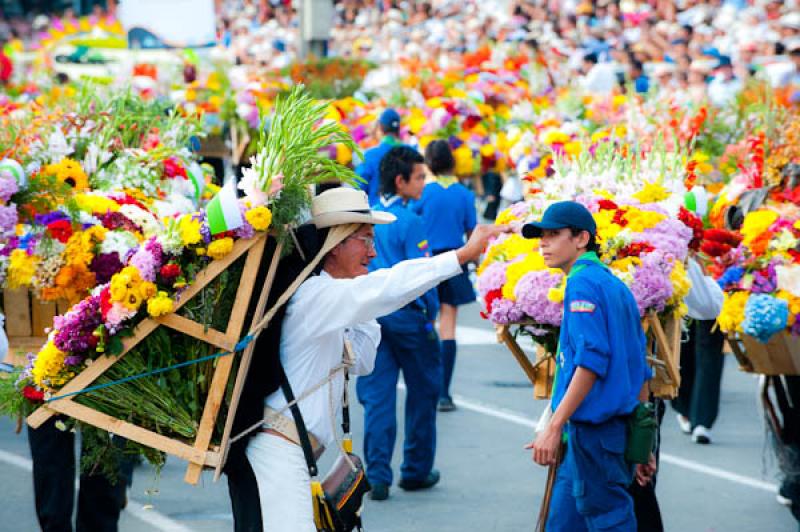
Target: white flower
(57,146)
(789,279)
(144,219)
(120,242)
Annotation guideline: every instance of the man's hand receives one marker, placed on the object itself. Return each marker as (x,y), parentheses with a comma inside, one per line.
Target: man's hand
(545,447)
(478,240)
(646,472)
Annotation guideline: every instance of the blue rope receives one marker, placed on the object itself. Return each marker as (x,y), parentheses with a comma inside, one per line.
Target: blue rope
(240,345)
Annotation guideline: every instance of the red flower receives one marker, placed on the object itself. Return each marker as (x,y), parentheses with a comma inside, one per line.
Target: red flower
(607,205)
(170,271)
(32,394)
(489,300)
(693,222)
(173,168)
(714,249)
(635,249)
(722,236)
(61,230)
(105,302)
(619,218)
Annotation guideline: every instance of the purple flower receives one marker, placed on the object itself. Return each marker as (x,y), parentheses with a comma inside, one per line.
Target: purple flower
(246,230)
(50,217)
(670,236)
(156,250)
(117,220)
(531,293)
(105,265)
(765,281)
(8,187)
(505,311)
(651,285)
(76,327)
(8,219)
(492,278)
(146,264)
(73,360)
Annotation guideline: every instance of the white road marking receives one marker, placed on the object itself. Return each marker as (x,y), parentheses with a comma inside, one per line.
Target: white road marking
(697,467)
(155,519)
(524,421)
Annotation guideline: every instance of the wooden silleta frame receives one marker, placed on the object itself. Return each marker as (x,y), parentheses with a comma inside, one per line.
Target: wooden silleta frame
(200,453)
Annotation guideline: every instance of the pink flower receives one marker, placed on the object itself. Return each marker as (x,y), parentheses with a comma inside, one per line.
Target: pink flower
(275,185)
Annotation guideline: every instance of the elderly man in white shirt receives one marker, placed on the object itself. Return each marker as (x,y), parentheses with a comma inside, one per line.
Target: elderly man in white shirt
(342,302)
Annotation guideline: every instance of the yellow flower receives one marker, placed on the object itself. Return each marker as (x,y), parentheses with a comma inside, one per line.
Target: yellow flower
(464,162)
(147,290)
(652,193)
(639,220)
(531,263)
(123,283)
(219,248)
(556,295)
(70,172)
(189,229)
(159,305)
(48,367)
(21,268)
(96,204)
(732,314)
(755,224)
(133,300)
(680,284)
(259,217)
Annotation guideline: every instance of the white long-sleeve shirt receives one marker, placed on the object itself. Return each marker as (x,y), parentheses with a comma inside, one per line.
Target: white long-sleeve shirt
(324,310)
(704,300)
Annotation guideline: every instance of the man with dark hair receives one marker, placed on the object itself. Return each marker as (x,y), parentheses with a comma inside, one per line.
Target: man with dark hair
(408,342)
(387,131)
(601,377)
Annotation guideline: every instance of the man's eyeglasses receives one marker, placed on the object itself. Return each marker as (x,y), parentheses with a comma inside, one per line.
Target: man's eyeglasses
(369,241)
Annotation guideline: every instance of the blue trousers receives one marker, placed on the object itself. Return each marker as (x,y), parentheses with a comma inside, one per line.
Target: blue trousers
(590,493)
(406,346)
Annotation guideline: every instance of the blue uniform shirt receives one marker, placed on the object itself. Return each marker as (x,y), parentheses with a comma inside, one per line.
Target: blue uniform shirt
(402,240)
(602,332)
(370,169)
(448,208)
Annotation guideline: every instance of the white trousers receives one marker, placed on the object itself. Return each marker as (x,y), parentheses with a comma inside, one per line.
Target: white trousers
(284,486)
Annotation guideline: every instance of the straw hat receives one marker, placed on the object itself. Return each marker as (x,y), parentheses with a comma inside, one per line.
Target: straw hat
(338,206)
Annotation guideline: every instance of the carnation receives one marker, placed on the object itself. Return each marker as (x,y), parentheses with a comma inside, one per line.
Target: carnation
(532,296)
(651,286)
(493,277)
(505,311)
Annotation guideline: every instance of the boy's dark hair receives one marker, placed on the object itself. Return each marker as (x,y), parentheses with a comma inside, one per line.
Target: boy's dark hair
(592,245)
(439,157)
(399,161)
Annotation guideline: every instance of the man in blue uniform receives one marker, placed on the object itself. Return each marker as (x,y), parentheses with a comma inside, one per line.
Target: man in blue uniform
(408,342)
(388,131)
(601,376)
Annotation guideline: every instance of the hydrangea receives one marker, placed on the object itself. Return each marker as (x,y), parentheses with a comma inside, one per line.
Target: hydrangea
(531,293)
(8,187)
(505,311)
(492,278)
(651,286)
(764,316)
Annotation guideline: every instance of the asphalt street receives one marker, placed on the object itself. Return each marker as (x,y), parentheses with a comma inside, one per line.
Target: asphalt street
(489,483)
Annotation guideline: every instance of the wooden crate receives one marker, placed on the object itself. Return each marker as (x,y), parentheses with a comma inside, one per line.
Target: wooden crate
(540,371)
(779,356)
(26,320)
(664,352)
(199,453)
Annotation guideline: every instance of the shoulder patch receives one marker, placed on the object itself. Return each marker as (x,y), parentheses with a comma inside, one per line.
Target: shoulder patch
(581,306)
(423,246)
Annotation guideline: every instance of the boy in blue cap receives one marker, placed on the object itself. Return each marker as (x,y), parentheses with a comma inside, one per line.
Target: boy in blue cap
(388,132)
(408,342)
(601,377)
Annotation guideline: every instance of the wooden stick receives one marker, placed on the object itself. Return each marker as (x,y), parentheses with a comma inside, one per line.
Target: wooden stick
(504,335)
(664,347)
(216,392)
(247,356)
(130,431)
(197,330)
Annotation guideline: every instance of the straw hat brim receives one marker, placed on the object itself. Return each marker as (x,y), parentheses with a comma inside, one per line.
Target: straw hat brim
(330,219)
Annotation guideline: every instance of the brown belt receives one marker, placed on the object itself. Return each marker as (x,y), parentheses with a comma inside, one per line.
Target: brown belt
(285,428)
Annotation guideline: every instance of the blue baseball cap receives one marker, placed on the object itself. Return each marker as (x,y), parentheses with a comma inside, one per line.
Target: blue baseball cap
(390,120)
(560,215)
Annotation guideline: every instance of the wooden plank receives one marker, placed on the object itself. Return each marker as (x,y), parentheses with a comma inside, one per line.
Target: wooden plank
(736,347)
(504,335)
(216,393)
(663,346)
(247,356)
(210,272)
(42,313)
(62,306)
(97,368)
(128,430)
(545,371)
(779,356)
(197,330)
(16,304)
(20,346)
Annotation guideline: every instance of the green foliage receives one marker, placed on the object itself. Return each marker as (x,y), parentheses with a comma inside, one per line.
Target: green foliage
(12,402)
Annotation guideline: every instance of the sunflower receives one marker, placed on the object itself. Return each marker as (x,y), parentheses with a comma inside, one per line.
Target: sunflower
(69,171)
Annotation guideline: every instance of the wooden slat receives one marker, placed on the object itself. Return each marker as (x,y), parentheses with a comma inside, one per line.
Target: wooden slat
(128,430)
(545,371)
(504,335)
(16,304)
(97,368)
(247,356)
(216,393)
(42,313)
(664,346)
(197,330)
(736,347)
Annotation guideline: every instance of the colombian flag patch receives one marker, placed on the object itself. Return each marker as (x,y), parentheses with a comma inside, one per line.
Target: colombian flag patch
(581,306)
